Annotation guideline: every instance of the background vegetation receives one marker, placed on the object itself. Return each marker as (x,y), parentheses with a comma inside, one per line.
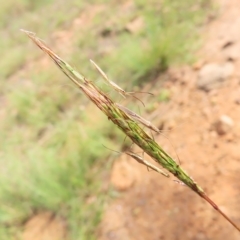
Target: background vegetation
(51,142)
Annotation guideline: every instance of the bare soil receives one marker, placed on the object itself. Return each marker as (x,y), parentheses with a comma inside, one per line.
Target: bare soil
(153,207)
(44,226)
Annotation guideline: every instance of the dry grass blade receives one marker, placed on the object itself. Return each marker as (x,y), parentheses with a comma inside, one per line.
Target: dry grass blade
(129,126)
(146,163)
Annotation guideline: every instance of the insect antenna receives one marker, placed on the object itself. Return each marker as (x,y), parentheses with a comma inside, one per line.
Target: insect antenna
(141,92)
(137,99)
(112,149)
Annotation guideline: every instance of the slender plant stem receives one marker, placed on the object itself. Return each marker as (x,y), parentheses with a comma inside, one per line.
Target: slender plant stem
(127,124)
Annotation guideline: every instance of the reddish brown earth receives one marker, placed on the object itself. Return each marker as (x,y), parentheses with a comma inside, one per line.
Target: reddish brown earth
(44,226)
(152,207)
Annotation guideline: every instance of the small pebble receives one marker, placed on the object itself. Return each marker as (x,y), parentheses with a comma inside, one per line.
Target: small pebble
(223,125)
(211,76)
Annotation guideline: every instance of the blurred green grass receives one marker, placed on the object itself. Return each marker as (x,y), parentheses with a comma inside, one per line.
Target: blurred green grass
(51,137)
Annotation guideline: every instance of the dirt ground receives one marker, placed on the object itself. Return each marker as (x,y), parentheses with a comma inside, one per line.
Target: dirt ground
(152,207)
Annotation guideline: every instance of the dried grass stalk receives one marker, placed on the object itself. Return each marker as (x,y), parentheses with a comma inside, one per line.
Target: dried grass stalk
(127,124)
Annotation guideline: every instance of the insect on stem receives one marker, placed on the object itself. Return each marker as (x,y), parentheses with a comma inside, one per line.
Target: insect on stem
(122,92)
(146,163)
(138,118)
(111,83)
(142,161)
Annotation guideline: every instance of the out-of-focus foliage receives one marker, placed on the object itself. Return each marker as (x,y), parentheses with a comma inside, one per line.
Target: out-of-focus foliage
(51,137)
